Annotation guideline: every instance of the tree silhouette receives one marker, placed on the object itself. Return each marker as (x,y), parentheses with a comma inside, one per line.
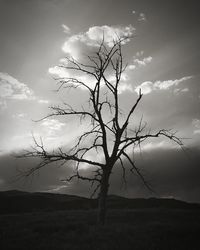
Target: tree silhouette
(111,132)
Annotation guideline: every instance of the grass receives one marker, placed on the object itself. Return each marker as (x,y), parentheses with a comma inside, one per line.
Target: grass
(125,229)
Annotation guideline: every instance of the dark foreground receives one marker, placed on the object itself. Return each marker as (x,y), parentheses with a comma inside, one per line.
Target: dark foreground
(126,229)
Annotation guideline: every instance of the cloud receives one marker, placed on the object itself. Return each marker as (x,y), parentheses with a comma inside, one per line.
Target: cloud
(51,131)
(57,133)
(59,71)
(72,46)
(142,17)
(179,91)
(196,124)
(81,44)
(124,87)
(140,53)
(109,33)
(42,101)
(94,36)
(63,73)
(131,67)
(169,171)
(44,181)
(138,61)
(19,115)
(169,83)
(11,88)
(144,61)
(157,144)
(89,80)
(66,29)
(148,87)
(112,78)
(52,125)
(185,90)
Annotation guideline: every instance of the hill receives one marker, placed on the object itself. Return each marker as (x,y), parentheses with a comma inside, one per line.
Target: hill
(58,222)
(15,201)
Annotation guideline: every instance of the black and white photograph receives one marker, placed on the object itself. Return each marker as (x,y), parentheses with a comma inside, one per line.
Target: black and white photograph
(99,124)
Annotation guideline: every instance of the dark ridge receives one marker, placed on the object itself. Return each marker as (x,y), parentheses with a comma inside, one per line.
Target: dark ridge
(14,201)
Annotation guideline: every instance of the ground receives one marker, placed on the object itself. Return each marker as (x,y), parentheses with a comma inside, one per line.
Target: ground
(156,228)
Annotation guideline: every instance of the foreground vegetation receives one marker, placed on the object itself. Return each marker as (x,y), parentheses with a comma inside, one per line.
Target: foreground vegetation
(126,229)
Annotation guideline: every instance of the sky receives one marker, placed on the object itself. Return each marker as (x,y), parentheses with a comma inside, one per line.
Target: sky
(163,60)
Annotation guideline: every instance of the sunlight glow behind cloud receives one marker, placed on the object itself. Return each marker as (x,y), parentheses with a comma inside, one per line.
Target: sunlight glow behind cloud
(81,44)
(94,36)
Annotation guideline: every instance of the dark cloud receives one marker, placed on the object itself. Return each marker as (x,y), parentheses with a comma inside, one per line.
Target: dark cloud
(43,180)
(171,173)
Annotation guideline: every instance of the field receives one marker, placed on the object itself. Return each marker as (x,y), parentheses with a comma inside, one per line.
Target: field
(155,228)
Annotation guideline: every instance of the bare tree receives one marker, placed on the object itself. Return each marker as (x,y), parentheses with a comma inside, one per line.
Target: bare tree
(111,132)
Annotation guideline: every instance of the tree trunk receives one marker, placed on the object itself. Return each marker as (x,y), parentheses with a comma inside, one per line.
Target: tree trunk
(103,197)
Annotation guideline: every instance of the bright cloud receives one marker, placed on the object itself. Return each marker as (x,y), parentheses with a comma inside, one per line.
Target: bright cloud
(81,44)
(59,71)
(112,78)
(63,73)
(169,83)
(11,88)
(109,33)
(148,87)
(72,46)
(131,67)
(94,36)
